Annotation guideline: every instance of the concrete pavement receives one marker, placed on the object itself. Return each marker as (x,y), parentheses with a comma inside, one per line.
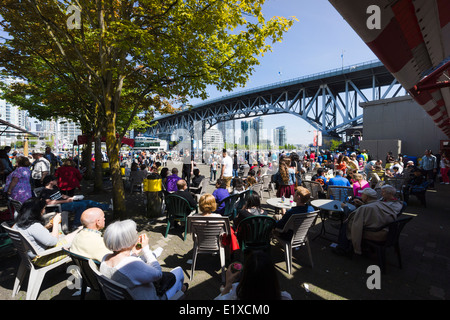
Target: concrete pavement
(425,250)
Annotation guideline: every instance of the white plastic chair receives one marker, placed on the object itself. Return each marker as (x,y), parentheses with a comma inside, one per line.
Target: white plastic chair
(116,291)
(36,273)
(206,233)
(267,184)
(299,225)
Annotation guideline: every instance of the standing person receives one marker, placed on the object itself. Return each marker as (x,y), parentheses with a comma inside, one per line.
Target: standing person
(445,167)
(213,166)
(227,168)
(4,158)
(285,179)
(89,241)
(50,156)
(235,165)
(188,167)
(69,178)
(428,164)
(18,185)
(40,169)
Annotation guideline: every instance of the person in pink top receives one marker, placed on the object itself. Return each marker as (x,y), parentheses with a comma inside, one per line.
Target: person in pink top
(359,185)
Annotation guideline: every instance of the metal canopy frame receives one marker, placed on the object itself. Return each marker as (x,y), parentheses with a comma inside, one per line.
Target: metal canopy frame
(7,127)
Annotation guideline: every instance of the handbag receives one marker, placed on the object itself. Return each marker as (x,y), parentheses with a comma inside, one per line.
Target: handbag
(166,282)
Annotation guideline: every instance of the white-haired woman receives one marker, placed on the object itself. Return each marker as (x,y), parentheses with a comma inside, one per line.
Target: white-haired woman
(134,265)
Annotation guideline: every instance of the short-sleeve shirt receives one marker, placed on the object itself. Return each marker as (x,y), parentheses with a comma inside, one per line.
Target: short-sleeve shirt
(228,163)
(40,166)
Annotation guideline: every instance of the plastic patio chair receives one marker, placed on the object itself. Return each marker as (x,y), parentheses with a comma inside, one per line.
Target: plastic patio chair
(231,203)
(268,186)
(112,289)
(255,233)
(116,291)
(392,240)
(340,193)
(178,209)
(36,273)
(206,234)
(297,228)
(88,278)
(314,188)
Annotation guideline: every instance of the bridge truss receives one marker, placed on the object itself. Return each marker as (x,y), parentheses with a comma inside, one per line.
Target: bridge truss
(329,101)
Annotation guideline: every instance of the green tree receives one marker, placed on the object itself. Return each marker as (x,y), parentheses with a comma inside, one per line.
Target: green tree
(133,55)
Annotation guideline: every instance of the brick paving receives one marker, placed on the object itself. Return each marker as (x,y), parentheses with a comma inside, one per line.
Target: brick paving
(425,248)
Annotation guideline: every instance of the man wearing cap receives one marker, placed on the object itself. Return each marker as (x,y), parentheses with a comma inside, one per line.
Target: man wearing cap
(39,168)
(372,213)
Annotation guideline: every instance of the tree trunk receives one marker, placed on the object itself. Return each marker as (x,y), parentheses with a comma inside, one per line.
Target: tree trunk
(86,159)
(98,173)
(112,145)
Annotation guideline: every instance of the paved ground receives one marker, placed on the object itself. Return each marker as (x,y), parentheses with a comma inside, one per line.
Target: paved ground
(425,248)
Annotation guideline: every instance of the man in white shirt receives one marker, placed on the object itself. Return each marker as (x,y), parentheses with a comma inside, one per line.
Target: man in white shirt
(41,168)
(227,168)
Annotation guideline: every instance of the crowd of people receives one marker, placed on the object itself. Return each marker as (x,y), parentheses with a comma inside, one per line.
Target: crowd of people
(124,254)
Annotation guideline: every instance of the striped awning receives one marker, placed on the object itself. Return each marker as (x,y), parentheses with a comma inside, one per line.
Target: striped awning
(412,39)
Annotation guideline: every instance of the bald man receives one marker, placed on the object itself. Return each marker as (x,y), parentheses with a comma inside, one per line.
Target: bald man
(184,193)
(89,241)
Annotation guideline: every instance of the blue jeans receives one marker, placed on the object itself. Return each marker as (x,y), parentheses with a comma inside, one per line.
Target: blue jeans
(78,207)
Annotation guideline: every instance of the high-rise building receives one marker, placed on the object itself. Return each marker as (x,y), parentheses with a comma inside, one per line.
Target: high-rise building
(280,137)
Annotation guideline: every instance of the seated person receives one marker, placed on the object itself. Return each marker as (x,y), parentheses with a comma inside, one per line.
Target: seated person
(196,181)
(258,280)
(339,180)
(31,223)
(417,185)
(359,185)
(220,193)
(52,195)
(320,177)
(238,185)
(207,205)
(372,214)
(301,198)
(184,193)
(171,181)
(251,179)
(135,266)
(252,207)
(89,241)
(389,196)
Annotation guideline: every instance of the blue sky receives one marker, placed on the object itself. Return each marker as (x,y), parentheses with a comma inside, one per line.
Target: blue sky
(313,44)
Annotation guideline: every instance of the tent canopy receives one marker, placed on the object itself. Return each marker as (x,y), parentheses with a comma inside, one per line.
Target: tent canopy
(83,139)
(412,40)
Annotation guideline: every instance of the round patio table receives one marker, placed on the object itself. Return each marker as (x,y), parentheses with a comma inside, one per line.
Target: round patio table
(277,203)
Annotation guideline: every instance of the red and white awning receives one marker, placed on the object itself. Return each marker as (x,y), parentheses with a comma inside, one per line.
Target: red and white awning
(413,42)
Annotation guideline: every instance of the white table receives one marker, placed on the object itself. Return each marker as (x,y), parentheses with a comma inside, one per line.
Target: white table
(277,203)
(330,206)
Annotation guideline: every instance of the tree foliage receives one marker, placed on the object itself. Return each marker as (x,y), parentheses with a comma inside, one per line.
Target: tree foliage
(129,56)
